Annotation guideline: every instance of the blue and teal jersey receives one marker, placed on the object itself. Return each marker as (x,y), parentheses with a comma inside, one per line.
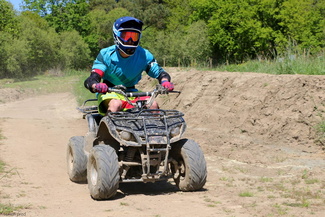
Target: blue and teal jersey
(126,71)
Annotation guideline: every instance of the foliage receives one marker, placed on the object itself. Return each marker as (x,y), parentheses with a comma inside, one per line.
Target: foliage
(62,34)
(241,29)
(236,29)
(196,46)
(41,44)
(13,56)
(8,21)
(38,48)
(38,6)
(69,15)
(100,32)
(303,22)
(152,13)
(74,52)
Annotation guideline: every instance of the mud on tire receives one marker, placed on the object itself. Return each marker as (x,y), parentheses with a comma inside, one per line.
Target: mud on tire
(103,172)
(76,159)
(191,172)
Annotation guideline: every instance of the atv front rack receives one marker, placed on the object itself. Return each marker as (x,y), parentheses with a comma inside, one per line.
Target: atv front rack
(146,124)
(153,129)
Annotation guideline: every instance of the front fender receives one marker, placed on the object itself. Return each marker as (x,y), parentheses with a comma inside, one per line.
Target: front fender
(104,134)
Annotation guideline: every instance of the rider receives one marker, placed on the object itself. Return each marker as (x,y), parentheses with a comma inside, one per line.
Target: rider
(123,64)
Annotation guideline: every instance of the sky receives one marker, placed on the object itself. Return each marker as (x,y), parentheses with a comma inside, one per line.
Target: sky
(15,3)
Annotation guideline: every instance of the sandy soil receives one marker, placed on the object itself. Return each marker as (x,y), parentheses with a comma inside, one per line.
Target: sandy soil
(257,132)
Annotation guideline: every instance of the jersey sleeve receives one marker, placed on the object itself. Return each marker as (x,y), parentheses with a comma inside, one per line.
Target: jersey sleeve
(99,62)
(153,68)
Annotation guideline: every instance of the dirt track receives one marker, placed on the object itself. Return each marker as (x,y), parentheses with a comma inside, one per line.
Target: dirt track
(256,130)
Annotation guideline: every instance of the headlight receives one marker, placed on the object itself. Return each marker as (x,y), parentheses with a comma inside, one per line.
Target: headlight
(175,132)
(126,135)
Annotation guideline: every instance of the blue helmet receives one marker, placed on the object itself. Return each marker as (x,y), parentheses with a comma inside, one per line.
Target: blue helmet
(127,34)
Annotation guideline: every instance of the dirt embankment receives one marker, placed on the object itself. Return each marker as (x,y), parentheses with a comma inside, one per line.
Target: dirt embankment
(257,132)
(251,109)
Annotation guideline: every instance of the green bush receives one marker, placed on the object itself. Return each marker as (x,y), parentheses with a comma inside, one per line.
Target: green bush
(14,58)
(74,52)
(39,48)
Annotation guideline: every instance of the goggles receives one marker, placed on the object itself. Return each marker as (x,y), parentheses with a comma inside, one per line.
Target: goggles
(127,35)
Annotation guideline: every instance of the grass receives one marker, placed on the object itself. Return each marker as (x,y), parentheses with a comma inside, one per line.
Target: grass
(210,202)
(7,209)
(2,166)
(311,181)
(80,91)
(43,84)
(71,81)
(246,194)
(299,195)
(266,179)
(124,204)
(320,128)
(280,210)
(291,63)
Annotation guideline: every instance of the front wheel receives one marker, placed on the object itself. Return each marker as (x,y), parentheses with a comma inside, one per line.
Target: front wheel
(77,159)
(189,171)
(103,172)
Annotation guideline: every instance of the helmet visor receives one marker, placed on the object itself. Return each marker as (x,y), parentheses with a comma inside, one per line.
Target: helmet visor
(127,35)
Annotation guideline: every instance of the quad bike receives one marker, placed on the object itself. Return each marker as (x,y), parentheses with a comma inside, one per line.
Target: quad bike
(138,145)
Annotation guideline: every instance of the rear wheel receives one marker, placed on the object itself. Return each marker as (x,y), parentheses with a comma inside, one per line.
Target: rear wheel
(103,172)
(190,171)
(76,159)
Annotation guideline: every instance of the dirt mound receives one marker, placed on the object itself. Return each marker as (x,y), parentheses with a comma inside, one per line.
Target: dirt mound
(11,94)
(245,109)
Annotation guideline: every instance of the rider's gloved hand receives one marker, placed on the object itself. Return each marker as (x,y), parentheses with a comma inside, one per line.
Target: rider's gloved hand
(101,88)
(168,85)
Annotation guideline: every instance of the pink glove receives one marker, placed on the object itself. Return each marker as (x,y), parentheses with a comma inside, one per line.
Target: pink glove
(101,88)
(168,85)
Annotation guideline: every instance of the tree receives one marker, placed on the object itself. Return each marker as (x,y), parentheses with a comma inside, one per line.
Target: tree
(9,31)
(100,28)
(236,30)
(303,22)
(180,13)
(8,21)
(70,15)
(42,7)
(196,44)
(106,5)
(74,52)
(152,13)
(42,43)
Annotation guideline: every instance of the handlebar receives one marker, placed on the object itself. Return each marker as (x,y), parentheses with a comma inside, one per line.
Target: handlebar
(153,94)
(121,90)
(139,94)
